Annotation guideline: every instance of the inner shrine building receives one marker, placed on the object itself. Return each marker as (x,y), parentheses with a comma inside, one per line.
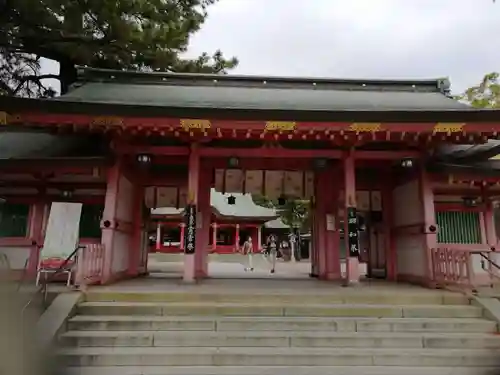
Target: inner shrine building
(400,158)
(235,217)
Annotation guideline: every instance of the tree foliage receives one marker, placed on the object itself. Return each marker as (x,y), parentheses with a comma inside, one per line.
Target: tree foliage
(294,213)
(146,35)
(484,95)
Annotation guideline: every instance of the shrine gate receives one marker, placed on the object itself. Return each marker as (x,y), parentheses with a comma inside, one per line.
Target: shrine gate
(366,154)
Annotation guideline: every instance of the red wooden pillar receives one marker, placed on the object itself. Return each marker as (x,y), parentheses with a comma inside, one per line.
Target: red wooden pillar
(108,219)
(193,185)
(429,216)
(214,236)
(237,237)
(314,244)
(327,236)
(37,217)
(319,225)
(258,244)
(332,233)
(387,212)
(489,220)
(254,234)
(183,230)
(136,246)
(352,263)
(203,224)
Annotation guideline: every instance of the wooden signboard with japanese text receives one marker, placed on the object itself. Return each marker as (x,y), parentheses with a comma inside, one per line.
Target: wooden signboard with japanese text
(352,232)
(190,230)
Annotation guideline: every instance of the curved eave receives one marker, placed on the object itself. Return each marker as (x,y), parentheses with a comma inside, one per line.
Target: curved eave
(246,219)
(12,105)
(470,153)
(488,169)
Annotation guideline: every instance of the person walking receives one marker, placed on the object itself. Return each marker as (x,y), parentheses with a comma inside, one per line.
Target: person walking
(248,251)
(272,248)
(295,246)
(285,250)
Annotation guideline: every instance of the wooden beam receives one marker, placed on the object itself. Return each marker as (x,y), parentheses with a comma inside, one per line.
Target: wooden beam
(262,163)
(263,153)
(56,166)
(53,185)
(124,149)
(460,191)
(31,199)
(386,155)
(269,153)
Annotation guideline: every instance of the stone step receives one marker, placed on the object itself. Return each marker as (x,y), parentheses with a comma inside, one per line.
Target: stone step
(278,370)
(214,323)
(202,356)
(279,339)
(271,309)
(353,297)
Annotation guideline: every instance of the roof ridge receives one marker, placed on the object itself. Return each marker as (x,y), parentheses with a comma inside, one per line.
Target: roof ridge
(87,74)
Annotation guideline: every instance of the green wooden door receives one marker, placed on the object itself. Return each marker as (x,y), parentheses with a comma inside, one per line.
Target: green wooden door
(90,221)
(459,227)
(14,219)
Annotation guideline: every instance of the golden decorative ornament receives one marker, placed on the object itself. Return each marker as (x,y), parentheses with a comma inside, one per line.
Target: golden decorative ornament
(107,121)
(448,127)
(365,127)
(280,125)
(189,124)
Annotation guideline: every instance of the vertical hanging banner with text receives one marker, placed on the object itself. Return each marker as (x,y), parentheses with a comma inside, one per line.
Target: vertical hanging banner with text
(352,232)
(190,229)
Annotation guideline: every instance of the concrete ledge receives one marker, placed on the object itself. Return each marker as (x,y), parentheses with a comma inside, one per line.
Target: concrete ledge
(490,306)
(53,320)
(279,370)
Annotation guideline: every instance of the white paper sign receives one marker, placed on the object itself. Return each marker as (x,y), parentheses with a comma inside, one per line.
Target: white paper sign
(62,234)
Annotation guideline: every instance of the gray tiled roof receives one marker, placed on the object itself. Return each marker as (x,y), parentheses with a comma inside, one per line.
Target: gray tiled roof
(276,224)
(265,93)
(471,152)
(244,206)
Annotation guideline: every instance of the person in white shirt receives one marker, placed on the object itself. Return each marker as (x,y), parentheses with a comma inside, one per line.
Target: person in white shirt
(248,251)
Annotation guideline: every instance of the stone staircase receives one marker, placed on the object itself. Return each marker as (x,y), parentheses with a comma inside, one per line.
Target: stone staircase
(259,332)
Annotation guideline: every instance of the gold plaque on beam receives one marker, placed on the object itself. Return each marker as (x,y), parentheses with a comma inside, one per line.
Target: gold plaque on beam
(6,118)
(107,121)
(280,126)
(365,127)
(191,124)
(448,127)
(3,118)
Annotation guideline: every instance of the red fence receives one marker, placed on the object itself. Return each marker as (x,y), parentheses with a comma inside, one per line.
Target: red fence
(454,267)
(90,262)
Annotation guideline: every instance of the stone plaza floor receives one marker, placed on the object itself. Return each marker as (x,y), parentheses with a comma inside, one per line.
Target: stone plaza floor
(233,266)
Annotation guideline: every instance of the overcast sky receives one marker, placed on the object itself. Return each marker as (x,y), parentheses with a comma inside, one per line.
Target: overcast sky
(459,39)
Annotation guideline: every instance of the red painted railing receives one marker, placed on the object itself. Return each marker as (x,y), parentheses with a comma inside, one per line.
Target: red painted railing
(452,267)
(90,262)
(455,267)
